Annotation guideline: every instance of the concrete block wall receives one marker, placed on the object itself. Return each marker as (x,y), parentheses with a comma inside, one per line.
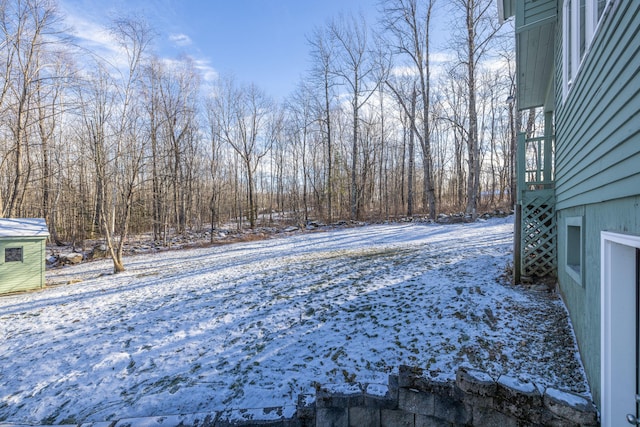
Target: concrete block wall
(473,399)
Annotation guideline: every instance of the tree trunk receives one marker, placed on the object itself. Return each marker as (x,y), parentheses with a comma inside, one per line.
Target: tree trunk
(19,135)
(250,188)
(354,158)
(513,178)
(473,184)
(411,167)
(329,151)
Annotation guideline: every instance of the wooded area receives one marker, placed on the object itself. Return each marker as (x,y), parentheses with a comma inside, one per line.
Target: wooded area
(380,127)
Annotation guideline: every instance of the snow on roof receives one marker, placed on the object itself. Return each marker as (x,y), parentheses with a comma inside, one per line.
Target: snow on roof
(23,227)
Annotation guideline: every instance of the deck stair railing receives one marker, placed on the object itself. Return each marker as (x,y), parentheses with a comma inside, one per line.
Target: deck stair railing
(536,196)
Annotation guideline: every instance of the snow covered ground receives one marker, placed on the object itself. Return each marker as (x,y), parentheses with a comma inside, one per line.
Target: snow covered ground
(254,324)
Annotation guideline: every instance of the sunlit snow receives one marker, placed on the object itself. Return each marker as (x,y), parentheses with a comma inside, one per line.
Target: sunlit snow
(255,324)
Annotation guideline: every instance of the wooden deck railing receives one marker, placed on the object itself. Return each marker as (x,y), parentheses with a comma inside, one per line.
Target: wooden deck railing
(535,163)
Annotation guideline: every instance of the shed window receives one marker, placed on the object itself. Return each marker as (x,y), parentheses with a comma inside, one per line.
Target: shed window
(574,249)
(13,255)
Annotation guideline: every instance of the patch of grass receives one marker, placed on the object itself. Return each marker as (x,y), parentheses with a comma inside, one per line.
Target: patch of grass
(459,315)
(51,419)
(147,274)
(338,354)
(350,378)
(234,340)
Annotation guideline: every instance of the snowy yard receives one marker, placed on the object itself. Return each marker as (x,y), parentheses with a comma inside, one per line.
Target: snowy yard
(254,324)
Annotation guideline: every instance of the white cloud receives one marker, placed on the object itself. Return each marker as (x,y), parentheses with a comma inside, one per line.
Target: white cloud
(495,64)
(404,71)
(442,57)
(438,62)
(207,71)
(95,38)
(180,39)
(201,66)
(90,33)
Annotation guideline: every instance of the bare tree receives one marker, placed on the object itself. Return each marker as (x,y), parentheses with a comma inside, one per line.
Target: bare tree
(50,107)
(215,165)
(29,27)
(323,54)
(405,89)
(178,87)
(507,53)
(355,71)
(95,98)
(151,96)
(242,114)
(480,27)
(409,23)
(411,167)
(112,118)
(454,114)
(301,118)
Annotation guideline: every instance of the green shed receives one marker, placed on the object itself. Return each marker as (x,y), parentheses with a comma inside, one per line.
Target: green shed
(22,254)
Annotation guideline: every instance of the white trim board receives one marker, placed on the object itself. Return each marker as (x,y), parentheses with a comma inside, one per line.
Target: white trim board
(618,326)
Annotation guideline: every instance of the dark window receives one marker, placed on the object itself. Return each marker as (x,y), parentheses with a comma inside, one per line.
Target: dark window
(13,255)
(582,27)
(574,248)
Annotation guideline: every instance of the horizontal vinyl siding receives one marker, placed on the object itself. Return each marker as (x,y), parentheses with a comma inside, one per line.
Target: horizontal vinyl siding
(535,11)
(598,125)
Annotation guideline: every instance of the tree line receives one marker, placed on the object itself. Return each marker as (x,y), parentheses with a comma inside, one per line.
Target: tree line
(380,126)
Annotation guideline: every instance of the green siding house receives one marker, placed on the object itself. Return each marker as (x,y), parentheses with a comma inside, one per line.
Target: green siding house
(578,211)
(22,254)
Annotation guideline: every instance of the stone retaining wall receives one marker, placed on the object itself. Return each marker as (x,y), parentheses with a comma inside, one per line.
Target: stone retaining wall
(474,399)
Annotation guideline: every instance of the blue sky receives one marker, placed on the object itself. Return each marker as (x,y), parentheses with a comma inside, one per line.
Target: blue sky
(260,41)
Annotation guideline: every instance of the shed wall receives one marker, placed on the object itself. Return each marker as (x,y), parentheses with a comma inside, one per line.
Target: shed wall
(25,275)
